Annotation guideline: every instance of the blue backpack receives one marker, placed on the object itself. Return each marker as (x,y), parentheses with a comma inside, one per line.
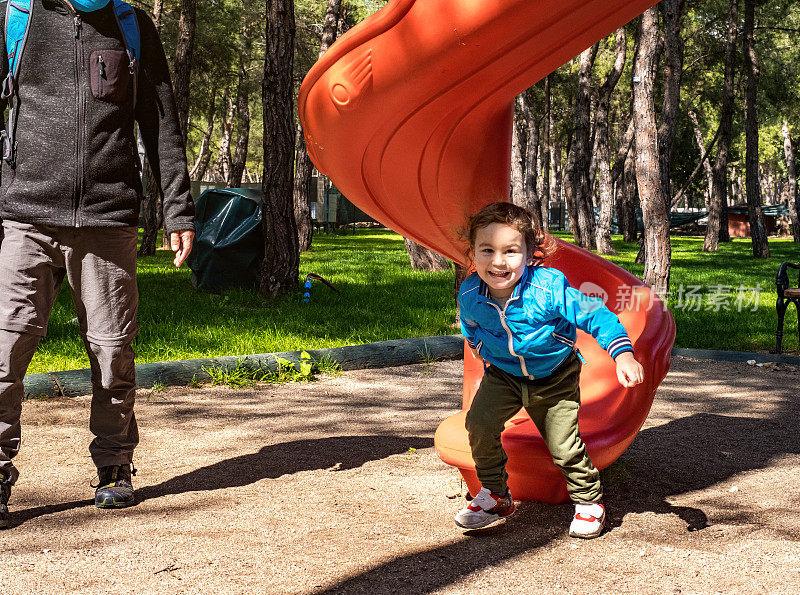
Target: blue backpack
(18,17)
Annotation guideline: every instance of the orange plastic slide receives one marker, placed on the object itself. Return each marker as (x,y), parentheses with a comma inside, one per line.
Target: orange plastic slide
(410,115)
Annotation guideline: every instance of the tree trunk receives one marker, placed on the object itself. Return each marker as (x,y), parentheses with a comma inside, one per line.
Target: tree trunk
(758,232)
(630,192)
(461,273)
(517,189)
(204,158)
(576,179)
(280,267)
(792,200)
(242,111)
(558,175)
(605,189)
(151,208)
(304,169)
(224,158)
(183,62)
(673,68)
(158,7)
(545,194)
(531,176)
(698,137)
(648,171)
(423,259)
(717,229)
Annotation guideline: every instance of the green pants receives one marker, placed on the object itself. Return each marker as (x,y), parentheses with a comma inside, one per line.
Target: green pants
(552,404)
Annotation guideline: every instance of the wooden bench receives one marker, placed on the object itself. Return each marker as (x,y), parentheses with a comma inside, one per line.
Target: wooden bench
(786,295)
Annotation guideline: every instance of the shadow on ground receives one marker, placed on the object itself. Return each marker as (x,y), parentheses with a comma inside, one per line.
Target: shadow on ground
(678,457)
(336,453)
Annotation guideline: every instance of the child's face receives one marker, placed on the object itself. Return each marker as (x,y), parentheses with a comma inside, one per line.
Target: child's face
(500,256)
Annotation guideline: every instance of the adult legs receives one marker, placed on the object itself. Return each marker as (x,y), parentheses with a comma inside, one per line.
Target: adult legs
(31,271)
(101,269)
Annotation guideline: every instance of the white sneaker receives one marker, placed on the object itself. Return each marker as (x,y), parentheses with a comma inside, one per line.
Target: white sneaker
(589,520)
(485,509)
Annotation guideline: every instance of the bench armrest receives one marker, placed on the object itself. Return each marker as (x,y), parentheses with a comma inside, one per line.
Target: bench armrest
(782,279)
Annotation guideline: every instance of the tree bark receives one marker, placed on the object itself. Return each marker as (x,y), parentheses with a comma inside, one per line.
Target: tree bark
(530,178)
(576,179)
(657,252)
(717,229)
(673,69)
(602,151)
(304,168)
(517,173)
(198,171)
(423,259)
(558,174)
(545,194)
(152,210)
(758,232)
(461,273)
(183,62)
(630,192)
(158,7)
(792,200)
(709,171)
(280,267)
(222,166)
(242,110)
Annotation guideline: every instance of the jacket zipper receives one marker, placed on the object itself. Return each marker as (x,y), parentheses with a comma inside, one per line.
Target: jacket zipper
(502,314)
(79,95)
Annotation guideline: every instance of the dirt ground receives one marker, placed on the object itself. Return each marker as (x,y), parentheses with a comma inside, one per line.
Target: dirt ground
(334,487)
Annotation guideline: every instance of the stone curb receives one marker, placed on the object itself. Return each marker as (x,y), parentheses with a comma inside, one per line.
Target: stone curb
(736,356)
(383,354)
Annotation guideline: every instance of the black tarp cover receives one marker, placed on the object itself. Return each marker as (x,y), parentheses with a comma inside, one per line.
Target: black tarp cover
(228,247)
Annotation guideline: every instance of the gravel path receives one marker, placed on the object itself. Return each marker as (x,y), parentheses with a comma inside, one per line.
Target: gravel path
(334,487)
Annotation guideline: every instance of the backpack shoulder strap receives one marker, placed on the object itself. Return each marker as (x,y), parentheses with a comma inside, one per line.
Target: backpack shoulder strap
(18,18)
(126,17)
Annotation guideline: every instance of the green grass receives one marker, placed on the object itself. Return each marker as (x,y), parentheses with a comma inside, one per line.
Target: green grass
(383,298)
(716,279)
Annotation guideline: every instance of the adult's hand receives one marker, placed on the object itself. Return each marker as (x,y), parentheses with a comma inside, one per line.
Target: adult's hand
(181,244)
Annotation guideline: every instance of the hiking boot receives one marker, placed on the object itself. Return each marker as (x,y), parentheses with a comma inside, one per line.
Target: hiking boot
(589,520)
(5,494)
(114,488)
(485,509)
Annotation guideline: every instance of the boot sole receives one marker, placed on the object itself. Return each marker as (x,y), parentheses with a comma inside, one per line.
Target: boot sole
(111,503)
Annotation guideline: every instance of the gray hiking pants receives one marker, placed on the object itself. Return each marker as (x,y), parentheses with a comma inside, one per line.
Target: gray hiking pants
(100,266)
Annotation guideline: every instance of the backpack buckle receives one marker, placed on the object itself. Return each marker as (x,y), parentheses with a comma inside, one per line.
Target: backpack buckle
(133,63)
(8,149)
(9,86)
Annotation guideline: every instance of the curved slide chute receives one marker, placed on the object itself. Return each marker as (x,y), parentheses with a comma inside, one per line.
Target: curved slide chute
(410,115)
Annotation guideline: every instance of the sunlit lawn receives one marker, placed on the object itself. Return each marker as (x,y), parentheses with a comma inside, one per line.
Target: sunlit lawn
(382,298)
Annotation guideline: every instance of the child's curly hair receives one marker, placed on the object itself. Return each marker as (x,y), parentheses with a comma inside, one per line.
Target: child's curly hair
(540,244)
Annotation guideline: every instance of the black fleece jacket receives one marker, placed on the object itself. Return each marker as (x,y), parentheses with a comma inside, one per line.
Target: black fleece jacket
(77,163)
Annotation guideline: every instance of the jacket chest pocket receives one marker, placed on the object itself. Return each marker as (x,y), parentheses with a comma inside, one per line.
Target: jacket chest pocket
(110,75)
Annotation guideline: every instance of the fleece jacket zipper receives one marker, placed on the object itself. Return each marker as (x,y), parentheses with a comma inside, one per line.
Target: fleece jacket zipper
(79,141)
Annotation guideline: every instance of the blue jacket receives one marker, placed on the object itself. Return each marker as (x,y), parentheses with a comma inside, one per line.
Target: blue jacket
(535,332)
